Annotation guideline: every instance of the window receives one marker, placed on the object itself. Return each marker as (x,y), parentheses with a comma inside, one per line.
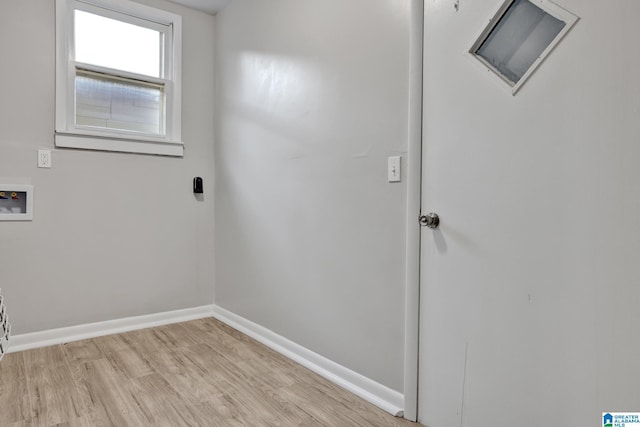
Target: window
(519,37)
(118,84)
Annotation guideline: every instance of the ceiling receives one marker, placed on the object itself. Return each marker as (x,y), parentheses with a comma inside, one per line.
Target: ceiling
(209,6)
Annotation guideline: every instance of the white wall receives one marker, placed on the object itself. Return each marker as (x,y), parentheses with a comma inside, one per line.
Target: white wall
(114,235)
(312,98)
(531,299)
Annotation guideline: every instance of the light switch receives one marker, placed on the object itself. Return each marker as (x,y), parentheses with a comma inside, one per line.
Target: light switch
(393,169)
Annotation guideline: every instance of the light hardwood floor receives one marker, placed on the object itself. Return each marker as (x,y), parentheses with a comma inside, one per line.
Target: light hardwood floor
(198,373)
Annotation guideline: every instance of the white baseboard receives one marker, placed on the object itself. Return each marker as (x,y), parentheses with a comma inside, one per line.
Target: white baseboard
(383,397)
(92,330)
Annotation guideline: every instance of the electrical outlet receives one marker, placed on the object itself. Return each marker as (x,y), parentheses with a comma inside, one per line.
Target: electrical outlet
(44,158)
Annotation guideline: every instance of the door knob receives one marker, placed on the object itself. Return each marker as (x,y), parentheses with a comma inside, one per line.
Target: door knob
(431,220)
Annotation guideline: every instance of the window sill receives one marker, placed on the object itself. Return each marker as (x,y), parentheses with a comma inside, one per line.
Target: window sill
(175,149)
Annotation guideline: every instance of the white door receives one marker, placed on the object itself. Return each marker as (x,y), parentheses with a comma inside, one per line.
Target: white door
(530,287)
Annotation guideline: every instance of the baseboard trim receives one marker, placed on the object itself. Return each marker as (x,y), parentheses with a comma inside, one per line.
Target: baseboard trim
(383,397)
(92,330)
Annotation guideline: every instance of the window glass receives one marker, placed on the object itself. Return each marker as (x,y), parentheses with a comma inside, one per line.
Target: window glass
(519,38)
(109,102)
(119,45)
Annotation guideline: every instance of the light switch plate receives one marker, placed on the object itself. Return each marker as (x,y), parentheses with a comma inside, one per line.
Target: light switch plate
(393,169)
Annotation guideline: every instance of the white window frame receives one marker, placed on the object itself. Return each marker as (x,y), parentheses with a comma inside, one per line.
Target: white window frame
(70,135)
(552,9)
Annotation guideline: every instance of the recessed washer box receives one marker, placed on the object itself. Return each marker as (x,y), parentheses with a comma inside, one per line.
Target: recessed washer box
(16,202)
(519,37)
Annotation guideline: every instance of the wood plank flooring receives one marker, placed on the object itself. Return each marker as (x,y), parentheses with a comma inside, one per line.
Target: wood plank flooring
(198,373)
